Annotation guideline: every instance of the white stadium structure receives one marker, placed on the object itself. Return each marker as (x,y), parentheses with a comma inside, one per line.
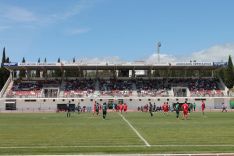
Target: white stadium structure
(37,86)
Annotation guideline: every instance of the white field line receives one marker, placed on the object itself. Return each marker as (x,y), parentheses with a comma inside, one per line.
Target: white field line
(193,145)
(103,146)
(81,146)
(138,134)
(205,154)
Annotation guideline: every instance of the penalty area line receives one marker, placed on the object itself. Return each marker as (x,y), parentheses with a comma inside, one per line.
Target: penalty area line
(138,134)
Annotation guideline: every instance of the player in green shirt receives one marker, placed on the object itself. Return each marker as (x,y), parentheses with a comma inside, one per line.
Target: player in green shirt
(194,106)
(190,107)
(104,110)
(177,109)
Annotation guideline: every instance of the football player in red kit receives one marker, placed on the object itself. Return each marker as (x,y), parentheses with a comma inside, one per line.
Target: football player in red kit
(185,108)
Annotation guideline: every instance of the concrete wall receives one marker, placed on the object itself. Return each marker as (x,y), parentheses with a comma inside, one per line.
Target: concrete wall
(50,104)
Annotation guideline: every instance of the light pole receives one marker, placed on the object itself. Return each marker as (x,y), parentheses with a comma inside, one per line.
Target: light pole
(158,48)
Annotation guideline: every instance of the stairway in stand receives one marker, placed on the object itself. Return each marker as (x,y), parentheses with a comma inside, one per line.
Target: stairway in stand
(8,88)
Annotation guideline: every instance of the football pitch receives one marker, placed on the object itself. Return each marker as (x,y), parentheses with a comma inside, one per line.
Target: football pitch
(131,133)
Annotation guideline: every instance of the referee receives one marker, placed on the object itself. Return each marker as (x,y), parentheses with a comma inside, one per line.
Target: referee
(68,110)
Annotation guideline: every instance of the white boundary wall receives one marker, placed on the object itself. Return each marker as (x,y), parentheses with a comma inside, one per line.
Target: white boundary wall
(50,104)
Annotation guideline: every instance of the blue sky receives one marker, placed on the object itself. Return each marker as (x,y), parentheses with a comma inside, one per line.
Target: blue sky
(123,29)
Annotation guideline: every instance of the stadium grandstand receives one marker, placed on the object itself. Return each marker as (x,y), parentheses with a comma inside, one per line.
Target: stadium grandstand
(46,86)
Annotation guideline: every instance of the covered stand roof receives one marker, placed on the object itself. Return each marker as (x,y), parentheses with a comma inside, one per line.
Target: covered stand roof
(110,66)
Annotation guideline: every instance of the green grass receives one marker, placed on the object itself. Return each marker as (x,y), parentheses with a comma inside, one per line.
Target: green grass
(53,133)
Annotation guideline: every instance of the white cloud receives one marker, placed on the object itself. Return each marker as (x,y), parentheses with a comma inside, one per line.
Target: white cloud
(19,14)
(12,15)
(76,9)
(77,31)
(112,60)
(3,28)
(214,53)
(164,58)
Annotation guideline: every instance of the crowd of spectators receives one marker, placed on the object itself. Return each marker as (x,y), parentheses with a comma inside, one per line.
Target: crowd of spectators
(115,87)
(25,89)
(79,88)
(154,87)
(202,87)
(205,87)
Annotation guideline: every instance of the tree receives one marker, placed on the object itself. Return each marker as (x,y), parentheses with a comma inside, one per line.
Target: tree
(4,74)
(38,71)
(229,74)
(7,60)
(45,60)
(3,57)
(1,78)
(22,72)
(74,60)
(23,60)
(57,72)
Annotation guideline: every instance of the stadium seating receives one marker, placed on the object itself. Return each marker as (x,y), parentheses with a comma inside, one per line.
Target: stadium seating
(152,88)
(114,87)
(79,88)
(23,88)
(198,87)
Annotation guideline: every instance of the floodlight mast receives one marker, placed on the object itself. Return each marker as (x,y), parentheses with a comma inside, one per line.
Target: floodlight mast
(158,50)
